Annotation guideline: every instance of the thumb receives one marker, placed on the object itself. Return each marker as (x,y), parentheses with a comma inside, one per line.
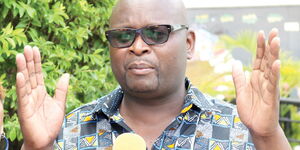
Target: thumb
(239,78)
(62,88)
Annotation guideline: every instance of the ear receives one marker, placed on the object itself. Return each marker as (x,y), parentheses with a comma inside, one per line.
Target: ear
(190,44)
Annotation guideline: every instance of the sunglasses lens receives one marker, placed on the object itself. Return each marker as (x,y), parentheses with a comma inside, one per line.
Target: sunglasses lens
(121,38)
(155,34)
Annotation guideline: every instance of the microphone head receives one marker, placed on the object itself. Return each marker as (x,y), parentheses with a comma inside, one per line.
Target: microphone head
(129,141)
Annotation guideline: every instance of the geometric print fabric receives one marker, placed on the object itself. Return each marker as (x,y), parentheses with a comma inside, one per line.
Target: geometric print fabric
(204,123)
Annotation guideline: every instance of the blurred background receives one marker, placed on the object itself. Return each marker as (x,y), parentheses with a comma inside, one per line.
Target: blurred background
(70,35)
(226,31)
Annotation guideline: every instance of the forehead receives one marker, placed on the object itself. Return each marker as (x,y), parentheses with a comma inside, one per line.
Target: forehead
(140,13)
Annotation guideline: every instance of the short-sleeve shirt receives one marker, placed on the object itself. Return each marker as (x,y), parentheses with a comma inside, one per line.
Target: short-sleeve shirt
(204,123)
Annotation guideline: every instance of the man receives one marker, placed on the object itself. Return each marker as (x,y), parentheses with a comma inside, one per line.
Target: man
(149,46)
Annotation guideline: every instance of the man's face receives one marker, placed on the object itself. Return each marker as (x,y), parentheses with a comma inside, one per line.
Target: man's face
(149,69)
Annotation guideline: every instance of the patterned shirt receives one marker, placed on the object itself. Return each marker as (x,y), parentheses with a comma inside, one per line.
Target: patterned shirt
(204,123)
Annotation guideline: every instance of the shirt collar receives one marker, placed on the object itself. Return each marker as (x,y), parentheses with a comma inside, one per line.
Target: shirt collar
(110,103)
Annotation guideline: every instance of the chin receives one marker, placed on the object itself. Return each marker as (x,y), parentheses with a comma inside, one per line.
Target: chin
(142,84)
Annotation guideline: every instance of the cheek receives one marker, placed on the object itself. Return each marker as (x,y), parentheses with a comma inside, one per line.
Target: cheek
(173,59)
(117,64)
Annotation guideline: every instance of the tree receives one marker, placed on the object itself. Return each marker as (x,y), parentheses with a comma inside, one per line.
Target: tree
(70,35)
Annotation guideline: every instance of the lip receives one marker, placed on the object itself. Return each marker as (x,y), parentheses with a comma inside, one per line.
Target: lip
(140,68)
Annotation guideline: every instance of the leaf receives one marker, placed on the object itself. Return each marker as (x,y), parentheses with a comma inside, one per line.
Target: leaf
(66,33)
(30,11)
(2,77)
(18,31)
(12,134)
(2,59)
(22,24)
(33,34)
(8,29)
(4,12)
(36,22)
(21,10)
(4,44)
(11,42)
(7,3)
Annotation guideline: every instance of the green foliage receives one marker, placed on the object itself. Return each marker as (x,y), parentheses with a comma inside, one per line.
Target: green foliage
(70,35)
(292,130)
(244,39)
(210,80)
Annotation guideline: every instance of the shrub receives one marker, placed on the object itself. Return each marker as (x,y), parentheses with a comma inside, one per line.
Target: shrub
(70,35)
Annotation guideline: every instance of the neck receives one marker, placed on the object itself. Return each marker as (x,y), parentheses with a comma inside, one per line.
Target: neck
(150,117)
(152,110)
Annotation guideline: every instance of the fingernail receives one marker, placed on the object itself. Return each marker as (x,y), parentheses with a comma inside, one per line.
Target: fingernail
(275,30)
(67,75)
(279,62)
(262,32)
(27,46)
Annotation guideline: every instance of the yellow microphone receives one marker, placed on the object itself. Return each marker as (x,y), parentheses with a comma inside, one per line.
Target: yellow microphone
(129,141)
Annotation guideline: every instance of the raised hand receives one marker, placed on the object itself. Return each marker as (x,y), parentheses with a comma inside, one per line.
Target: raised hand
(258,98)
(40,115)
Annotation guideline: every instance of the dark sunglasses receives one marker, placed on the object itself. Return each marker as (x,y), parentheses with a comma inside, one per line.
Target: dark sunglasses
(152,35)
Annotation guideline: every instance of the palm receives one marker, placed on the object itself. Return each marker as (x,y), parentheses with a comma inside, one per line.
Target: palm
(257,99)
(40,115)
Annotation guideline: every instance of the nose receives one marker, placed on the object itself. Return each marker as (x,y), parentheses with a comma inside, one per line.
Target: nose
(139,47)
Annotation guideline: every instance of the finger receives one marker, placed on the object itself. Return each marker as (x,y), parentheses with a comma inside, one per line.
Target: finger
(273,33)
(25,109)
(21,66)
(274,49)
(239,77)
(38,66)
(264,61)
(273,45)
(260,50)
(21,91)
(21,85)
(274,77)
(62,88)
(30,66)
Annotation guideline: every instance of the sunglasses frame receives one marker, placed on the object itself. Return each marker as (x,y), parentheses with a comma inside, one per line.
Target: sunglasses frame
(171,28)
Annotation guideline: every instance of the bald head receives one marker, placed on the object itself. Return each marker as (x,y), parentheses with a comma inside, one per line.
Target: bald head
(139,13)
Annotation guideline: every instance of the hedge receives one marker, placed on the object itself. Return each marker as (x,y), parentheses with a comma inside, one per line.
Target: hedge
(70,35)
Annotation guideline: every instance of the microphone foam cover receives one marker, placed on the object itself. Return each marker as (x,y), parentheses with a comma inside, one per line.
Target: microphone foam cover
(129,141)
